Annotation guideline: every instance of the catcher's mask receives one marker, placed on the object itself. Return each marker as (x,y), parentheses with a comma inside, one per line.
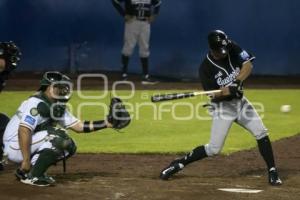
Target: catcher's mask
(218,41)
(61,85)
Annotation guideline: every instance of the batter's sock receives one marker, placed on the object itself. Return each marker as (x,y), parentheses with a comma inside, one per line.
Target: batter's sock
(265,149)
(145,65)
(196,154)
(125,61)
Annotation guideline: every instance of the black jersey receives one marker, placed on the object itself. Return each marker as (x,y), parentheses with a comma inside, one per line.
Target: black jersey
(141,9)
(215,74)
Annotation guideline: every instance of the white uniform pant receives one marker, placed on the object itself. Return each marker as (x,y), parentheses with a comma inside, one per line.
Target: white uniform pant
(39,142)
(136,31)
(224,114)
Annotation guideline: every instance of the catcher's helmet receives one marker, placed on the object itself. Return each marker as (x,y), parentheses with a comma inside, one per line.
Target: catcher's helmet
(60,81)
(218,41)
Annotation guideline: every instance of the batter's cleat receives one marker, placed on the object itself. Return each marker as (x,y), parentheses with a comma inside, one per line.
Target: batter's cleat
(274,179)
(173,168)
(148,81)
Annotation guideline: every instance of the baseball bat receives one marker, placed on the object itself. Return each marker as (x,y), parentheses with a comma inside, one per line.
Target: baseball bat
(173,96)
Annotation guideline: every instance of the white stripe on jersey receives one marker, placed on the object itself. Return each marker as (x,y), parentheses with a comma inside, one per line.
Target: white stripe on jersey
(217,65)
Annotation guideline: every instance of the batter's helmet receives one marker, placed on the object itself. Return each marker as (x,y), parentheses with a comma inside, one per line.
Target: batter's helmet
(218,41)
(58,80)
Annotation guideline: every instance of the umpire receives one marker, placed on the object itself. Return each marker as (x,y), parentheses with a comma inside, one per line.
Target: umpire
(9,58)
(225,67)
(138,14)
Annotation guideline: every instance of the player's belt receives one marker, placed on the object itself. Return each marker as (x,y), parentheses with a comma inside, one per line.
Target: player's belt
(140,19)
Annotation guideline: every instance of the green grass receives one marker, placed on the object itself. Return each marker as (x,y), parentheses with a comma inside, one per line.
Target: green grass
(147,134)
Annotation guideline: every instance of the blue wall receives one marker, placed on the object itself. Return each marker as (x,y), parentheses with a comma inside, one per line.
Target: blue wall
(45,30)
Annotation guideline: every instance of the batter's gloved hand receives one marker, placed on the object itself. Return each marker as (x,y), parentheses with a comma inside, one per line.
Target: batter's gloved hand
(236,89)
(118,115)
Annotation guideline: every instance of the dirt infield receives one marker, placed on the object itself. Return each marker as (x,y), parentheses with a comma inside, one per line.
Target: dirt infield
(135,177)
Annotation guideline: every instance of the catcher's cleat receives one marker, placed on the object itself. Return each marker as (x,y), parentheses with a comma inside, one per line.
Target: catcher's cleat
(274,179)
(37,181)
(42,181)
(173,168)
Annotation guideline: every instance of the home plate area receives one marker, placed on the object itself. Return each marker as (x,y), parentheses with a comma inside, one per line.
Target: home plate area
(239,190)
(241,176)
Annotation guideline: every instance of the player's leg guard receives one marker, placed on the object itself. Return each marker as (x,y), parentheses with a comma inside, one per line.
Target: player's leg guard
(265,149)
(196,154)
(3,123)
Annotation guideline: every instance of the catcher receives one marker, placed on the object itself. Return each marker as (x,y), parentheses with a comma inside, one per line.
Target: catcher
(9,58)
(32,137)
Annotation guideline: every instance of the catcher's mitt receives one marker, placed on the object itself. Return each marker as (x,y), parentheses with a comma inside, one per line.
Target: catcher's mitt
(118,115)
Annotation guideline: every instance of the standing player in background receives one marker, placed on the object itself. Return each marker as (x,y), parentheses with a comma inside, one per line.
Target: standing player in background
(9,58)
(225,67)
(138,15)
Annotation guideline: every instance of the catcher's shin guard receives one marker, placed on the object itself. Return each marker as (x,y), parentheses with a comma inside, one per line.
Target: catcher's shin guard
(47,157)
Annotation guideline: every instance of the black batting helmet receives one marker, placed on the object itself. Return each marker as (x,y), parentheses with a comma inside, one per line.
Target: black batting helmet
(218,41)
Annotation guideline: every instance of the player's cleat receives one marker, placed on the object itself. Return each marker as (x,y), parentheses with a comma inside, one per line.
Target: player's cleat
(124,77)
(173,168)
(44,180)
(274,178)
(148,81)
(37,181)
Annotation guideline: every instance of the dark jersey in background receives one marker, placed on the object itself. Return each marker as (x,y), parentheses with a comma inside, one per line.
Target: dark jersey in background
(141,9)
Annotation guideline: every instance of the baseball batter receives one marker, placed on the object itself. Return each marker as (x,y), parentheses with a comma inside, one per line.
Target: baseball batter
(32,137)
(225,67)
(9,59)
(138,14)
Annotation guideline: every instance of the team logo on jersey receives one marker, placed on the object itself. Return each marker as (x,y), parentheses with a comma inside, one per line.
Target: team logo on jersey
(228,79)
(219,74)
(34,112)
(244,55)
(30,120)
